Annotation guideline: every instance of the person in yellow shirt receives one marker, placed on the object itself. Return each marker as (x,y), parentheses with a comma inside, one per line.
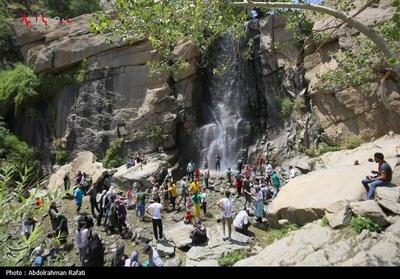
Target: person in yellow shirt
(195,187)
(173,193)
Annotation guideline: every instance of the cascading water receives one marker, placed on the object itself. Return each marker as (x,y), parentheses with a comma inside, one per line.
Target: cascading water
(227,127)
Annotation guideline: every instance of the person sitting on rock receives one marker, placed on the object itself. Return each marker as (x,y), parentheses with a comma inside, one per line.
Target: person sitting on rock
(188,217)
(241,222)
(133,260)
(199,234)
(154,257)
(383,177)
(130,162)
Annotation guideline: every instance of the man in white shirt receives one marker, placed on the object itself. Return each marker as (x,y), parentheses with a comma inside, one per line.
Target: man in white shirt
(155,211)
(292,172)
(241,222)
(225,205)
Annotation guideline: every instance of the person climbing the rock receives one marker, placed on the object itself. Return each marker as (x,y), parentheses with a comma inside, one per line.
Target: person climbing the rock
(225,205)
(241,222)
(206,177)
(140,204)
(199,234)
(276,183)
(190,171)
(78,196)
(229,176)
(383,177)
(154,258)
(217,162)
(92,193)
(184,191)
(155,212)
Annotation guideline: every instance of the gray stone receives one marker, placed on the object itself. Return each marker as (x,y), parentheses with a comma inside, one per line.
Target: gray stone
(166,248)
(339,214)
(370,209)
(179,233)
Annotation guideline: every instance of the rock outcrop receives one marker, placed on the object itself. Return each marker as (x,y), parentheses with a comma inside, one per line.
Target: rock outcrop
(306,198)
(84,162)
(314,245)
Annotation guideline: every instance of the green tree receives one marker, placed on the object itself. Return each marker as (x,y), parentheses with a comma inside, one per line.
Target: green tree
(113,158)
(71,8)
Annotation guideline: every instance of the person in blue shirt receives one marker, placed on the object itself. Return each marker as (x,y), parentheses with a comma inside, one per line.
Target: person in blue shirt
(78,195)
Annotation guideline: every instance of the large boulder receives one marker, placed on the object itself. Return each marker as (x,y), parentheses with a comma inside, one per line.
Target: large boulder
(371,210)
(306,198)
(314,245)
(155,164)
(84,162)
(179,233)
(339,214)
(388,198)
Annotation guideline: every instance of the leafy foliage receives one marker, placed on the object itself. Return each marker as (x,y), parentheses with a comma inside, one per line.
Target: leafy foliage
(274,234)
(16,205)
(285,106)
(14,151)
(113,156)
(157,134)
(71,8)
(324,221)
(168,23)
(231,258)
(351,142)
(361,223)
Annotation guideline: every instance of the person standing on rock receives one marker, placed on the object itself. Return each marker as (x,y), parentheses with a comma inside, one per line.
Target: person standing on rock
(203,196)
(206,177)
(217,162)
(173,193)
(383,177)
(154,257)
(78,178)
(184,191)
(258,202)
(140,204)
(155,211)
(102,204)
(225,205)
(240,164)
(92,193)
(78,195)
(80,239)
(66,182)
(260,163)
(247,192)
(239,184)
(190,171)
(229,176)
(276,183)
(121,213)
(196,200)
(206,163)
(195,187)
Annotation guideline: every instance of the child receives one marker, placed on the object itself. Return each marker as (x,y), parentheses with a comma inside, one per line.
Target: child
(188,217)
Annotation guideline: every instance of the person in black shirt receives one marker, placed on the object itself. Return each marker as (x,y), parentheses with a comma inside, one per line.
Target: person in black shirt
(383,177)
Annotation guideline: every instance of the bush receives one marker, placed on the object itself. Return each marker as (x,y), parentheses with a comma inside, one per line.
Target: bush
(14,151)
(231,258)
(274,234)
(285,106)
(322,148)
(351,142)
(71,8)
(325,221)
(61,156)
(17,86)
(360,223)
(113,158)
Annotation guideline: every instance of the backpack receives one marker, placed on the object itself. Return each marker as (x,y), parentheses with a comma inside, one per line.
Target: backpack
(95,251)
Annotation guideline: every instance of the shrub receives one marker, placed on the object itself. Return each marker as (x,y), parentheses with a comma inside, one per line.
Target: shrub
(322,148)
(113,156)
(231,258)
(360,223)
(351,142)
(61,156)
(17,86)
(285,106)
(274,234)
(157,135)
(71,8)
(325,221)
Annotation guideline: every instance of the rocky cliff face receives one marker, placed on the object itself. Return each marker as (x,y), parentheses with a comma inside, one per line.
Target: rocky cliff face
(119,98)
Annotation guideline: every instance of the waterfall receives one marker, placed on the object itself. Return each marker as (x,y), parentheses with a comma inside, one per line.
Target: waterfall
(226,117)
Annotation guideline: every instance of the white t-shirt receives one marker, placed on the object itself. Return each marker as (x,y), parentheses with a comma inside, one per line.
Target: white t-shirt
(226,207)
(292,173)
(241,219)
(80,238)
(269,169)
(155,209)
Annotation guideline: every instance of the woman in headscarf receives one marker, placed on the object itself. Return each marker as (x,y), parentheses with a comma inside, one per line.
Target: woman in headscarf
(133,260)
(259,204)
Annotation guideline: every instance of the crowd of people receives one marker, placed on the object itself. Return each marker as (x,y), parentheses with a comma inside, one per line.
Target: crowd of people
(253,184)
